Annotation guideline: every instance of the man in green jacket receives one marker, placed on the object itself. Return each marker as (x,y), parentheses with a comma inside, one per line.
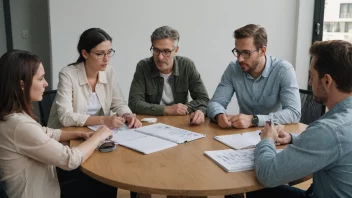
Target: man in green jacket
(161,83)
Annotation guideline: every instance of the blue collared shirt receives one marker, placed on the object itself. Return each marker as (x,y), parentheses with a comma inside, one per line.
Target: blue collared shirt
(324,149)
(274,92)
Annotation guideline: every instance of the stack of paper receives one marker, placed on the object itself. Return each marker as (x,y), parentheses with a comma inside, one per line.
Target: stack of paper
(170,133)
(233,160)
(240,141)
(152,138)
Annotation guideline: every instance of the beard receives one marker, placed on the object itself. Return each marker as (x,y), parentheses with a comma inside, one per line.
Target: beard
(250,67)
(321,95)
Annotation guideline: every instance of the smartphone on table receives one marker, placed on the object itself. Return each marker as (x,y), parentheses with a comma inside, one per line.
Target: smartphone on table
(107,146)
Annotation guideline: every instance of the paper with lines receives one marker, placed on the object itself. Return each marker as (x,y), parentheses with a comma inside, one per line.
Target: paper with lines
(240,141)
(152,138)
(233,160)
(170,133)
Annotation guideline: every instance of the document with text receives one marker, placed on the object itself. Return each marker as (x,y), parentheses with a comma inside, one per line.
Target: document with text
(233,160)
(240,141)
(151,138)
(170,133)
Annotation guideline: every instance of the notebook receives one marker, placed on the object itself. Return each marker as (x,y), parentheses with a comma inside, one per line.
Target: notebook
(233,160)
(152,138)
(240,141)
(170,133)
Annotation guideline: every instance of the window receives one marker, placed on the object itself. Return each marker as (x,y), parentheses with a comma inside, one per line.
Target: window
(348,27)
(346,10)
(332,20)
(332,26)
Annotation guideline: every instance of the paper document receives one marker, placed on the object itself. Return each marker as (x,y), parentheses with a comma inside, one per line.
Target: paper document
(233,160)
(240,141)
(170,133)
(151,138)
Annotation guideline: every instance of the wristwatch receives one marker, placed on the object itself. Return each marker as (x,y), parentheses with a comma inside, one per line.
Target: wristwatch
(255,121)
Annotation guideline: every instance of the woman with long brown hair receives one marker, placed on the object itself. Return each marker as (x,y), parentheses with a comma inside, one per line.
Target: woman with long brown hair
(30,152)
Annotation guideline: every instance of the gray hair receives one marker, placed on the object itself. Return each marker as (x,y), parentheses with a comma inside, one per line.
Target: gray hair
(165,32)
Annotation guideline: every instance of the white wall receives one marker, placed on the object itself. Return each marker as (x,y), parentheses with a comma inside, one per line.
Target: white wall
(304,28)
(32,15)
(3,44)
(205,27)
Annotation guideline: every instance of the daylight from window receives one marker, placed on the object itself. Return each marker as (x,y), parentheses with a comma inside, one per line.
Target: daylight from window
(338,20)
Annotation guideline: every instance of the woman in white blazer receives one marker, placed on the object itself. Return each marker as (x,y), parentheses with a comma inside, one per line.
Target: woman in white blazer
(87,92)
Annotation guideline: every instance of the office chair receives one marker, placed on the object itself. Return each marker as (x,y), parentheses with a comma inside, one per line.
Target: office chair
(310,110)
(45,106)
(2,191)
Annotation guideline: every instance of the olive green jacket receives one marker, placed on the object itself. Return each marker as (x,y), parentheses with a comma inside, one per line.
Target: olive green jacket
(147,87)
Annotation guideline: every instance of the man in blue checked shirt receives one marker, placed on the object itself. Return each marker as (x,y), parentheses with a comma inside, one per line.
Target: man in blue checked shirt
(324,149)
(264,85)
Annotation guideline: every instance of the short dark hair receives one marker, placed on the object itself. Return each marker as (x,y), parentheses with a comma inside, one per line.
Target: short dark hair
(88,40)
(334,57)
(17,66)
(165,32)
(251,30)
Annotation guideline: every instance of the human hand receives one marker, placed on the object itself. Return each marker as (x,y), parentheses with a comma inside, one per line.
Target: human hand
(132,121)
(283,137)
(103,133)
(113,121)
(270,132)
(86,135)
(223,120)
(196,117)
(241,121)
(176,109)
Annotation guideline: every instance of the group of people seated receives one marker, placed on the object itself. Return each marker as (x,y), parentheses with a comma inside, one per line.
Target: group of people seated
(88,94)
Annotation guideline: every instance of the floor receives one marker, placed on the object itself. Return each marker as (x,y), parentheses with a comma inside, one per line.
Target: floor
(126,194)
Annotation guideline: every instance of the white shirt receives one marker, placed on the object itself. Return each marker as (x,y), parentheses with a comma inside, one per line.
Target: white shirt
(167,97)
(94,106)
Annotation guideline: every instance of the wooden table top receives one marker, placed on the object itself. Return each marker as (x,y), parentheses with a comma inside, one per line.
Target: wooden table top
(183,170)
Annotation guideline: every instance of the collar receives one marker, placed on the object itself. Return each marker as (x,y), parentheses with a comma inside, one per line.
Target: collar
(155,71)
(267,67)
(82,76)
(344,104)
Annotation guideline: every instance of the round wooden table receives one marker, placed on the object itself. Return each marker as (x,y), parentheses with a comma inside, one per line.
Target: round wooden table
(183,170)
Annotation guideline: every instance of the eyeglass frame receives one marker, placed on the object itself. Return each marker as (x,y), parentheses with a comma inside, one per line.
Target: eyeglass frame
(234,51)
(162,52)
(105,54)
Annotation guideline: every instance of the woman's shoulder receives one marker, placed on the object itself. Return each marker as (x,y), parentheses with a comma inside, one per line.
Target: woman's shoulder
(14,120)
(19,117)
(72,68)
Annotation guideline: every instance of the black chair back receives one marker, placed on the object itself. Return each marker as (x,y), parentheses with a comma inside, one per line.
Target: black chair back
(310,110)
(2,191)
(45,106)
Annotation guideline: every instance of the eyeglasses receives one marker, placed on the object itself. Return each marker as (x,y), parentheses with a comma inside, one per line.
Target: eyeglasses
(165,53)
(245,54)
(101,55)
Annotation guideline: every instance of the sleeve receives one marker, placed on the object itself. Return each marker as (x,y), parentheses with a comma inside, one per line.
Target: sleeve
(289,98)
(137,101)
(223,94)
(311,151)
(52,133)
(40,144)
(64,104)
(118,104)
(197,90)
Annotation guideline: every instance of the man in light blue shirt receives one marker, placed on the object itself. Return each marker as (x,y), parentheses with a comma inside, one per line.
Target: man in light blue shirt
(324,149)
(263,84)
